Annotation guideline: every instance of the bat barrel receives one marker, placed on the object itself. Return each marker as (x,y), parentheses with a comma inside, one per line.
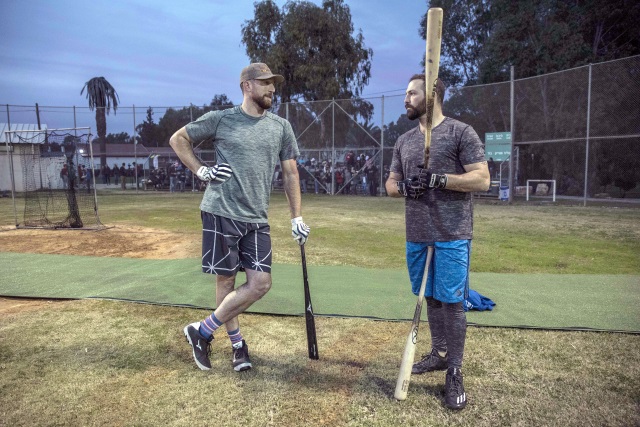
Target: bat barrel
(432,64)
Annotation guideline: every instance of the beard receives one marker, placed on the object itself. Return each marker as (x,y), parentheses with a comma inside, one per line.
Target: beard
(263,102)
(414,112)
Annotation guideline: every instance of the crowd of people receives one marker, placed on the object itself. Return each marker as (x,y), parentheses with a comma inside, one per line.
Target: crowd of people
(174,177)
(356,175)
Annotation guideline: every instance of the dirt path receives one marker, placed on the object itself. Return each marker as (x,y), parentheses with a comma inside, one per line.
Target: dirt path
(121,242)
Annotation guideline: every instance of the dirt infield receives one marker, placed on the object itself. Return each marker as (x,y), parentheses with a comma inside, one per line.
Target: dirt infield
(120,242)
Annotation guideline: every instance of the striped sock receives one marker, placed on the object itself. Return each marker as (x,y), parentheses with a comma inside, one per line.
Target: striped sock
(235,337)
(209,325)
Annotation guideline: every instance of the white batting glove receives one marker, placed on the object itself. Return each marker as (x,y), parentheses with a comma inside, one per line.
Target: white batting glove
(299,230)
(218,173)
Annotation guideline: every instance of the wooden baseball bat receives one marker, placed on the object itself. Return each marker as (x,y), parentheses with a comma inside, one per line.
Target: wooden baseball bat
(402,385)
(312,342)
(432,63)
(431,66)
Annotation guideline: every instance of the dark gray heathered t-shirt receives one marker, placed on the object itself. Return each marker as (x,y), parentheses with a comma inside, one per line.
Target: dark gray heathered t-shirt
(252,146)
(439,215)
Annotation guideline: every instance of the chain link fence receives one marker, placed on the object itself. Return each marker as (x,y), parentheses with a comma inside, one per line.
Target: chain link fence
(578,128)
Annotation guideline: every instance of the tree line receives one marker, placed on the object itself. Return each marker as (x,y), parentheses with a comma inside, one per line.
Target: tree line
(322,57)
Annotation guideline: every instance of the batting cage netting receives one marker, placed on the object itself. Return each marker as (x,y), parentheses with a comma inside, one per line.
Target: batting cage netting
(53,170)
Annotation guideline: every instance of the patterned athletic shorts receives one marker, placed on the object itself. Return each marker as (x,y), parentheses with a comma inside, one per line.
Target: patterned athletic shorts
(229,246)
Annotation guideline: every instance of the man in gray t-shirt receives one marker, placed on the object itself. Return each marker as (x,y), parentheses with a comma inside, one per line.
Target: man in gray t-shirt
(249,141)
(439,214)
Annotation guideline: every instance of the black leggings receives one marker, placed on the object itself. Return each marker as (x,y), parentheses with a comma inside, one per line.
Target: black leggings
(448,326)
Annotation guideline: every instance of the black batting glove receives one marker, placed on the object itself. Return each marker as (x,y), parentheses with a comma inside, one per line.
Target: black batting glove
(430,180)
(410,188)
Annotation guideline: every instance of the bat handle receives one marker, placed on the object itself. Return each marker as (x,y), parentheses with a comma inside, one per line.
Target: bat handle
(304,262)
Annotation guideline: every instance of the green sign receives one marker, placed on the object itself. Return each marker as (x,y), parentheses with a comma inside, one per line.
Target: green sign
(497,145)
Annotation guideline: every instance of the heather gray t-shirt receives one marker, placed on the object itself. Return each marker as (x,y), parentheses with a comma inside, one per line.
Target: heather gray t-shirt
(252,146)
(439,215)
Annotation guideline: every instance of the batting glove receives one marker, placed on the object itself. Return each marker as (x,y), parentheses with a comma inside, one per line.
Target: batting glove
(218,173)
(299,230)
(410,188)
(430,180)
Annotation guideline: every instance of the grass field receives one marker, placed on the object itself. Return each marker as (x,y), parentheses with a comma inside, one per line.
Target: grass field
(113,363)
(369,232)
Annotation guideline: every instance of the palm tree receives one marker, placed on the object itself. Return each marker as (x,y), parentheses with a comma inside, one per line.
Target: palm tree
(101,94)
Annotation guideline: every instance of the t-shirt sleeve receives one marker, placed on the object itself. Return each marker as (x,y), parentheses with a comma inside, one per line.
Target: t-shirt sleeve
(471,147)
(396,162)
(204,127)
(289,145)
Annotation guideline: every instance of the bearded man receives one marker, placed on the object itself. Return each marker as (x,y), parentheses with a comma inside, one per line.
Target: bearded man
(439,213)
(249,141)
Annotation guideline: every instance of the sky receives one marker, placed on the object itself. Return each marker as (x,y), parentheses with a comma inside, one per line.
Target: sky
(166,53)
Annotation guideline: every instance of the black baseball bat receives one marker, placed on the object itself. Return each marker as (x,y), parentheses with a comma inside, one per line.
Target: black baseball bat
(312,343)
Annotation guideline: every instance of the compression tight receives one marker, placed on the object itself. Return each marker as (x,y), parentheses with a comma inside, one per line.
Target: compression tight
(448,326)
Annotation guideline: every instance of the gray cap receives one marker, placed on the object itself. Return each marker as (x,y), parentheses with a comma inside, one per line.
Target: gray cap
(259,71)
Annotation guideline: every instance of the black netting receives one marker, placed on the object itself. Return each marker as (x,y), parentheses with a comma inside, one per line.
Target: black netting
(56,179)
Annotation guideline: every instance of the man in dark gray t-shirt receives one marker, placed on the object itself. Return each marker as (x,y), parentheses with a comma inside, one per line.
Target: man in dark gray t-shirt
(249,141)
(439,214)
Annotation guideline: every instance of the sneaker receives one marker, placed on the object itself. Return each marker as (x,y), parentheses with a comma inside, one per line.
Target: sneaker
(200,345)
(430,362)
(454,395)
(241,361)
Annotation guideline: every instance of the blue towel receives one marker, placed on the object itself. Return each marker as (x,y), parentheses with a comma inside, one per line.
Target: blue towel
(477,302)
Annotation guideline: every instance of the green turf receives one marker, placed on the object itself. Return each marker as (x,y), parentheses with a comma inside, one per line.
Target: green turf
(605,302)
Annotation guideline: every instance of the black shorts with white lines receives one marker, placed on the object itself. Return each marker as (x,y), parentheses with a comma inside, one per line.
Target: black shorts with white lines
(229,245)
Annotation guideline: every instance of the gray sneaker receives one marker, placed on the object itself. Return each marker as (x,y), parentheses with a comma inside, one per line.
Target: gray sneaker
(200,345)
(241,361)
(430,362)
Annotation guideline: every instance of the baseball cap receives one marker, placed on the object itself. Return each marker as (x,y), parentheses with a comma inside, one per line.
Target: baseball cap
(259,71)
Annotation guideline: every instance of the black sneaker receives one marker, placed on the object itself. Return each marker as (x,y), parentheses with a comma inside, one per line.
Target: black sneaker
(241,361)
(430,362)
(200,345)
(454,395)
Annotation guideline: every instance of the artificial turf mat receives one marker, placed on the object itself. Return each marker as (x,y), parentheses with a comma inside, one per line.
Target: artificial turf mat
(600,302)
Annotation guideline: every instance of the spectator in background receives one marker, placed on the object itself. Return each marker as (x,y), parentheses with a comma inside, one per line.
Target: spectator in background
(172,177)
(315,173)
(372,177)
(361,161)
(106,175)
(347,179)
(116,174)
(180,177)
(140,169)
(339,178)
(64,174)
(123,177)
(349,160)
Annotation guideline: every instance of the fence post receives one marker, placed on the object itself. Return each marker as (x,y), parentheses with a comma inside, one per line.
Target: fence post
(135,149)
(381,188)
(10,157)
(332,169)
(512,114)
(586,157)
